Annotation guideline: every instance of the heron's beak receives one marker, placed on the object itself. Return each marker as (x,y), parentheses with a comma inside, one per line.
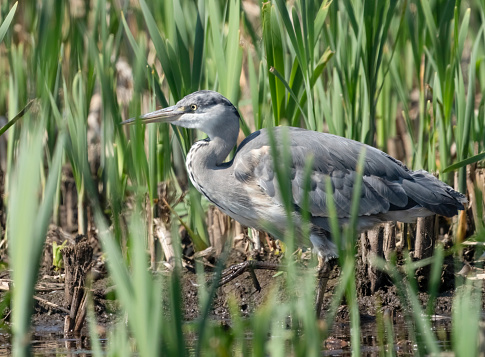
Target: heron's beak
(165,115)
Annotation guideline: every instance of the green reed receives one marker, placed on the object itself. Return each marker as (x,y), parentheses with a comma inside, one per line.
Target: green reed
(347,67)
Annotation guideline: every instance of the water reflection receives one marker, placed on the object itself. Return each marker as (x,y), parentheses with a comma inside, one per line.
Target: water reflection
(45,343)
(371,345)
(49,340)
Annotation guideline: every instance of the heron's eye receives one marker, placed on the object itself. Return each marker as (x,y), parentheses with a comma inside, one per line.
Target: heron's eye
(193,107)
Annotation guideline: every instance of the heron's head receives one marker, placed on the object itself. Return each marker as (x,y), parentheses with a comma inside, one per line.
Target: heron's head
(204,110)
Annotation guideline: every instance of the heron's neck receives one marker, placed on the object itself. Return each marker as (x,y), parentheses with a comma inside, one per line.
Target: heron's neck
(213,152)
(204,160)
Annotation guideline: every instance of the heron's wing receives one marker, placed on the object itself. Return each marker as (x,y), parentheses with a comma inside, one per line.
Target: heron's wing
(333,157)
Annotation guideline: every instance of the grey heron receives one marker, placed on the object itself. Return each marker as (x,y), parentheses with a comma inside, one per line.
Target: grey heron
(246,187)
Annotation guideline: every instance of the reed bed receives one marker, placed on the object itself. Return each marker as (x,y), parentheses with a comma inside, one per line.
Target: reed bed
(404,76)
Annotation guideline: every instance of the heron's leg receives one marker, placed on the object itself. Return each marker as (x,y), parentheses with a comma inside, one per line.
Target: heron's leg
(327,253)
(324,268)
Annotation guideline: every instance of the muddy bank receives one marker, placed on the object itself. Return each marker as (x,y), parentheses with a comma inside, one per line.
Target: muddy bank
(242,290)
(51,307)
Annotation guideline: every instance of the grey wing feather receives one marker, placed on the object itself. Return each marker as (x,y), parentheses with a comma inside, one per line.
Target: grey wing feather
(387,183)
(434,194)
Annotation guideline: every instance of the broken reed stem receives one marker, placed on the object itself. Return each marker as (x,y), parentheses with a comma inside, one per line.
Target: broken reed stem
(81,312)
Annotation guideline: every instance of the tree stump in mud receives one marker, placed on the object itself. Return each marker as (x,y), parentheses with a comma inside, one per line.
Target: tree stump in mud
(377,242)
(381,242)
(475,182)
(425,237)
(424,247)
(78,261)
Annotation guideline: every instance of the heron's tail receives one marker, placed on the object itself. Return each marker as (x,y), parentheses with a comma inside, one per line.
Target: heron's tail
(433,194)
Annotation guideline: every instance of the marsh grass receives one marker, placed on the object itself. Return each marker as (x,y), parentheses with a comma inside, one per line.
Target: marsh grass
(346,67)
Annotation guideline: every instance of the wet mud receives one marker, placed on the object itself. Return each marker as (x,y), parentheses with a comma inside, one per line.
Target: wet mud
(51,303)
(242,290)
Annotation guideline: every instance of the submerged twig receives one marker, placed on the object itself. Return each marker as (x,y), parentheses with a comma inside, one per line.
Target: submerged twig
(51,304)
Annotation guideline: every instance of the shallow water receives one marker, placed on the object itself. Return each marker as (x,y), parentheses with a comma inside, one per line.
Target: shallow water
(369,338)
(48,340)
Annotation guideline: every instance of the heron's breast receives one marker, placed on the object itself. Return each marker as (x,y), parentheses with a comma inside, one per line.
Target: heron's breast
(193,168)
